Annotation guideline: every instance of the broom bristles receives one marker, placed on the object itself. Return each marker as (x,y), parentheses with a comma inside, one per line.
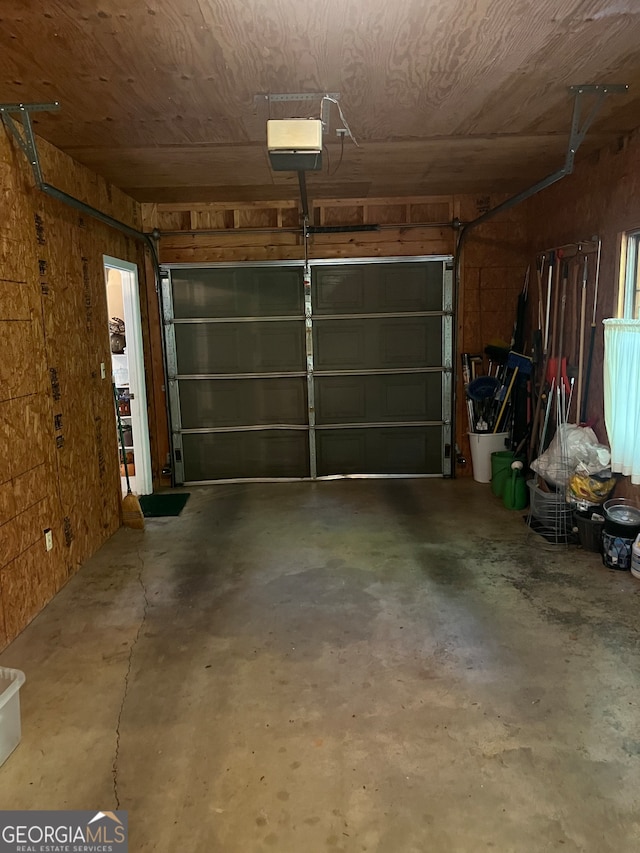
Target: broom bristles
(132,515)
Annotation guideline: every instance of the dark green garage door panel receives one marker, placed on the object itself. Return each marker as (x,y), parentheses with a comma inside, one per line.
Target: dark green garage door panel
(384,287)
(236,403)
(239,455)
(257,347)
(375,399)
(238,386)
(237,292)
(380,351)
(402,450)
(377,343)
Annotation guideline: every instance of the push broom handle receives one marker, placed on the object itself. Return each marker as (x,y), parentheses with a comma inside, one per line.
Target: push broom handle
(506,400)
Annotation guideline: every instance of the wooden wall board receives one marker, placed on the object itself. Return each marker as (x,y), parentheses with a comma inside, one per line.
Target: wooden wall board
(72,177)
(26,583)
(59,468)
(238,216)
(600,198)
(3,630)
(156,385)
(14,301)
(7,502)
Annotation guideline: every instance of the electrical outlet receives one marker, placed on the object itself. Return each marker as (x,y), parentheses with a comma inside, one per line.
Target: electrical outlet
(48,539)
(103,370)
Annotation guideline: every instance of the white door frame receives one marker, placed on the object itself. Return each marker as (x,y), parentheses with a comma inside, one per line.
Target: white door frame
(135,351)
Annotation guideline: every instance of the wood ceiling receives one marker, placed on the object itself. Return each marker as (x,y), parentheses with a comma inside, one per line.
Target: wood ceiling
(442,95)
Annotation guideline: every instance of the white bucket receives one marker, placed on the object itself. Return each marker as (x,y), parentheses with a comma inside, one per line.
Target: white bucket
(483,444)
(635,558)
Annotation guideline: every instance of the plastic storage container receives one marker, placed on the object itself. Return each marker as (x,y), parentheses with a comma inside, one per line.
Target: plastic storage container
(589,531)
(617,551)
(635,558)
(11,680)
(547,506)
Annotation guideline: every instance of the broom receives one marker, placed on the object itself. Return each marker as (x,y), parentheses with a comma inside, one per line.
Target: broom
(132,515)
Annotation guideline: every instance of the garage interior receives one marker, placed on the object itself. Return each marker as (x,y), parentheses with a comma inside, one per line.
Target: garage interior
(344,641)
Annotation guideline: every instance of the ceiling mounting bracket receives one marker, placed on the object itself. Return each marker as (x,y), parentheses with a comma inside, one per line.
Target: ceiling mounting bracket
(26,140)
(578,130)
(325,99)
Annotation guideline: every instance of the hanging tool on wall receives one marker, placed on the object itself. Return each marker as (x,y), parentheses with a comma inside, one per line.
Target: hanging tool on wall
(542,373)
(558,364)
(582,410)
(583,312)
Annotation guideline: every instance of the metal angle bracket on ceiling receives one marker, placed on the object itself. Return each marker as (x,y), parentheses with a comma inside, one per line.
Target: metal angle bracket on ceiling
(578,131)
(26,139)
(325,99)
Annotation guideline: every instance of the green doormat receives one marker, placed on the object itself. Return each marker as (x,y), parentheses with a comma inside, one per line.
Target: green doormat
(168,503)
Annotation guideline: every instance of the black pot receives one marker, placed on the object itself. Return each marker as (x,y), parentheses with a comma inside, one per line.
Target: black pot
(621,518)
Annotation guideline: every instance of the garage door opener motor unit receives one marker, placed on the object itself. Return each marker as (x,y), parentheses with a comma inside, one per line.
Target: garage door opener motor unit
(294,144)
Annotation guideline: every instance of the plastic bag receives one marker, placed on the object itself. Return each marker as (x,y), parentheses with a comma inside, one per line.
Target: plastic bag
(590,489)
(573,449)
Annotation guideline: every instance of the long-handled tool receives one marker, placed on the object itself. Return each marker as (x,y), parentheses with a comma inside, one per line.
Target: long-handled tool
(556,300)
(132,515)
(583,407)
(545,357)
(583,311)
(517,339)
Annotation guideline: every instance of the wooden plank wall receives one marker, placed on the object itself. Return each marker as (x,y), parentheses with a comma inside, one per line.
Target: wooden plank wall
(58,463)
(494,260)
(601,198)
(494,264)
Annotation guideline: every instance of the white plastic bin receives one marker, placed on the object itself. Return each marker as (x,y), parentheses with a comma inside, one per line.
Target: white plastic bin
(483,444)
(11,680)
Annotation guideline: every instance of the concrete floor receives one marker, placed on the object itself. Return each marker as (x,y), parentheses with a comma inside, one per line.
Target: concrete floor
(385,665)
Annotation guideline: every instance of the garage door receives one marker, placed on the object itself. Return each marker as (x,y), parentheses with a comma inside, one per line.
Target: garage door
(346,372)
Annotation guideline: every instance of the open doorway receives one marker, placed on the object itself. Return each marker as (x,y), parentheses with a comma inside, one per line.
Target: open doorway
(127,369)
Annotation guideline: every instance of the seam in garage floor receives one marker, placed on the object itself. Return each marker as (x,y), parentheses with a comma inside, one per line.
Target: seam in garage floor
(394,666)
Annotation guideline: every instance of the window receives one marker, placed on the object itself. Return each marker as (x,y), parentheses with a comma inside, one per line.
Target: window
(629,308)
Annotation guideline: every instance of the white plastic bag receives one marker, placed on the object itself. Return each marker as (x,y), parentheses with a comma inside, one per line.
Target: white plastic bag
(573,448)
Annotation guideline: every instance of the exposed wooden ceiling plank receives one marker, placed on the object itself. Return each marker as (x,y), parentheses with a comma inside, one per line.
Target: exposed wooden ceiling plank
(138,81)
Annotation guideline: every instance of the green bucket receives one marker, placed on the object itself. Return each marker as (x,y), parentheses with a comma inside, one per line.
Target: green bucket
(501,470)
